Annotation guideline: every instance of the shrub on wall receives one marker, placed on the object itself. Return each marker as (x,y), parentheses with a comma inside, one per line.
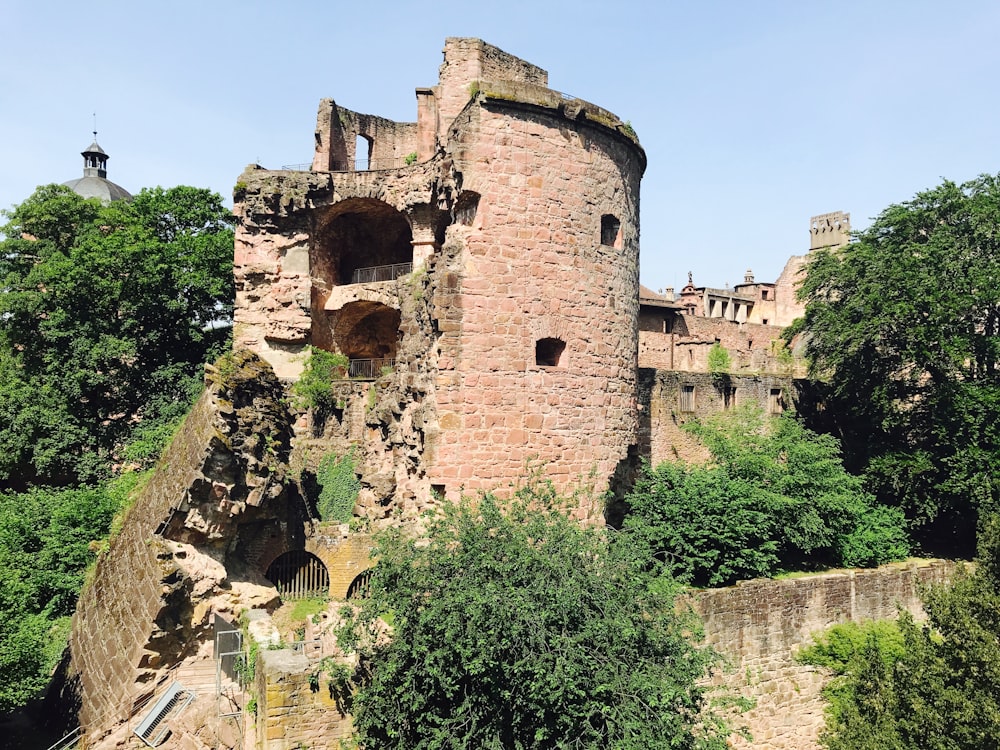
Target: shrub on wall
(719,360)
(313,390)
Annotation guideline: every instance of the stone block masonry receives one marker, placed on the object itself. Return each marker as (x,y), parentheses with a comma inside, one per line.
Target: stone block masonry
(180,556)
(760,625)
(513,329)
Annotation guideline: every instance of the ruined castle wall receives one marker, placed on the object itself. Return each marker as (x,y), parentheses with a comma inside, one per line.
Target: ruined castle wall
(292,711)
(469,60)
(751,346)
(116,611)
(787,307)
(760,625)
(533,267)
(665,407)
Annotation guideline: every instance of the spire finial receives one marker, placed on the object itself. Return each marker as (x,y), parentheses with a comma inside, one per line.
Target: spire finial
(95,126)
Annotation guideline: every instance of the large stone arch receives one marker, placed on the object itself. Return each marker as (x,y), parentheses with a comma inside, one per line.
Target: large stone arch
(350,238)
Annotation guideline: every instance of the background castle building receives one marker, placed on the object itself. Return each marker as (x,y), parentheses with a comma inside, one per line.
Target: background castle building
(95,182)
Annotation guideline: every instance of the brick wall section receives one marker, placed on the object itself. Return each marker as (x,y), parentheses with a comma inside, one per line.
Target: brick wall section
(468,60)
(662,417)
(751,346)
(290,712)
(759,625)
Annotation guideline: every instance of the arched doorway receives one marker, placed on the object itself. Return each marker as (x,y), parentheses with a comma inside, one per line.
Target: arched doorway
(299,575)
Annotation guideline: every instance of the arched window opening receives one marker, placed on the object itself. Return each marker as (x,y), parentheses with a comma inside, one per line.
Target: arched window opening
(549,352)
(299,575)
(360,585)
(362,153)
(361,240)
(610,229)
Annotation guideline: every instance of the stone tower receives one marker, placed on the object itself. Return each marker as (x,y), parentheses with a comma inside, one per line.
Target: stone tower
(479,266)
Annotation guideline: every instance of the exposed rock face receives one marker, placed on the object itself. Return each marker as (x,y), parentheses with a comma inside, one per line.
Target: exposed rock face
(187,551)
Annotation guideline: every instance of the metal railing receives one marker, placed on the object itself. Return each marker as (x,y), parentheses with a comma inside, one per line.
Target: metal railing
(307,167)
(370,369)
(369,165)
(70,741)
(380,273)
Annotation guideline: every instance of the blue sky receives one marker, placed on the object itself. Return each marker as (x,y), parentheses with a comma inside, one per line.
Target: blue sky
(754,115)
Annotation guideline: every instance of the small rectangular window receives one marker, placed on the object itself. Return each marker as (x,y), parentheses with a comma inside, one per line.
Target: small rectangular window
(609,230)
(687,398)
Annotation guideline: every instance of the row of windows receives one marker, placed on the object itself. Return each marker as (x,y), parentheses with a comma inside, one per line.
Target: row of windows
(688,399)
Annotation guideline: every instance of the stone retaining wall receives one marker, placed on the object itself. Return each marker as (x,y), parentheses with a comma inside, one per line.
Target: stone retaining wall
(760,625)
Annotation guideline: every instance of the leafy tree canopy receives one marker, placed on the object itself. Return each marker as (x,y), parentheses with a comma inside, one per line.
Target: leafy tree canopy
(904,325)
(47,540)
(524,630)
(106,314)
(774,497)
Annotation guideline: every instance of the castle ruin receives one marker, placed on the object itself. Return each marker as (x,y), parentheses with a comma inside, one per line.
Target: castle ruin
(478,272)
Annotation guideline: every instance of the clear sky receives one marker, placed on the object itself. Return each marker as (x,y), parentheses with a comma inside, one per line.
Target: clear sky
(755,114)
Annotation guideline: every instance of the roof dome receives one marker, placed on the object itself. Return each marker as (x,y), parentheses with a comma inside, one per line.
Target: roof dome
(95,182)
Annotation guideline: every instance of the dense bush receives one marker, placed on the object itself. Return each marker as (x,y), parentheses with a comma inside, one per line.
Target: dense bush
(313,390)
(523,629)
(339,487)
(774,497)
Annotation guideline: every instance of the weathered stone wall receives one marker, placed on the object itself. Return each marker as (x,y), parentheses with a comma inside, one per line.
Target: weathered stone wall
(292,711)
(468,61)
(532,266)
(760,625)
(787,306)
(685,345)
(664,408)
(180,554)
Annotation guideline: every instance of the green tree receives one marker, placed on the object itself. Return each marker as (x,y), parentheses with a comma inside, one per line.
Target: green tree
(107,314)
(774,497)
(47,540)
(941,688)
(522,629)
(904,326)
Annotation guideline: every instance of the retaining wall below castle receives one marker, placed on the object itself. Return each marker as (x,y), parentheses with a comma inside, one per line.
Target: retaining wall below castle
(760,625)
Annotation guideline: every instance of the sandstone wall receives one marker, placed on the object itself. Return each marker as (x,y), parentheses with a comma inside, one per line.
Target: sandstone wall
(532,266)
(685,345)
(664,408)
(760,625)
(467,61)
(292,711)
(180,554)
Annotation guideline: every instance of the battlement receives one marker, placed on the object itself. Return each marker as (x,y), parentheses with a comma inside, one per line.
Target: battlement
(829,230)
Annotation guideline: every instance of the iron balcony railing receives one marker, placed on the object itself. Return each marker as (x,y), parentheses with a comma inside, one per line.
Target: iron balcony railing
(380,273)
(370,369)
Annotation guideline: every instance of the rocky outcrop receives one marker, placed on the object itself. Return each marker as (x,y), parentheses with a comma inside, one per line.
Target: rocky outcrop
(188,551)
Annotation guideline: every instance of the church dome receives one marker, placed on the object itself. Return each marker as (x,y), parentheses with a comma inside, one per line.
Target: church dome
(95,182)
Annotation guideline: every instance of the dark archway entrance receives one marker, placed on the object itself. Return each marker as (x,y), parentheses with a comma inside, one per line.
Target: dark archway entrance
(299,575)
